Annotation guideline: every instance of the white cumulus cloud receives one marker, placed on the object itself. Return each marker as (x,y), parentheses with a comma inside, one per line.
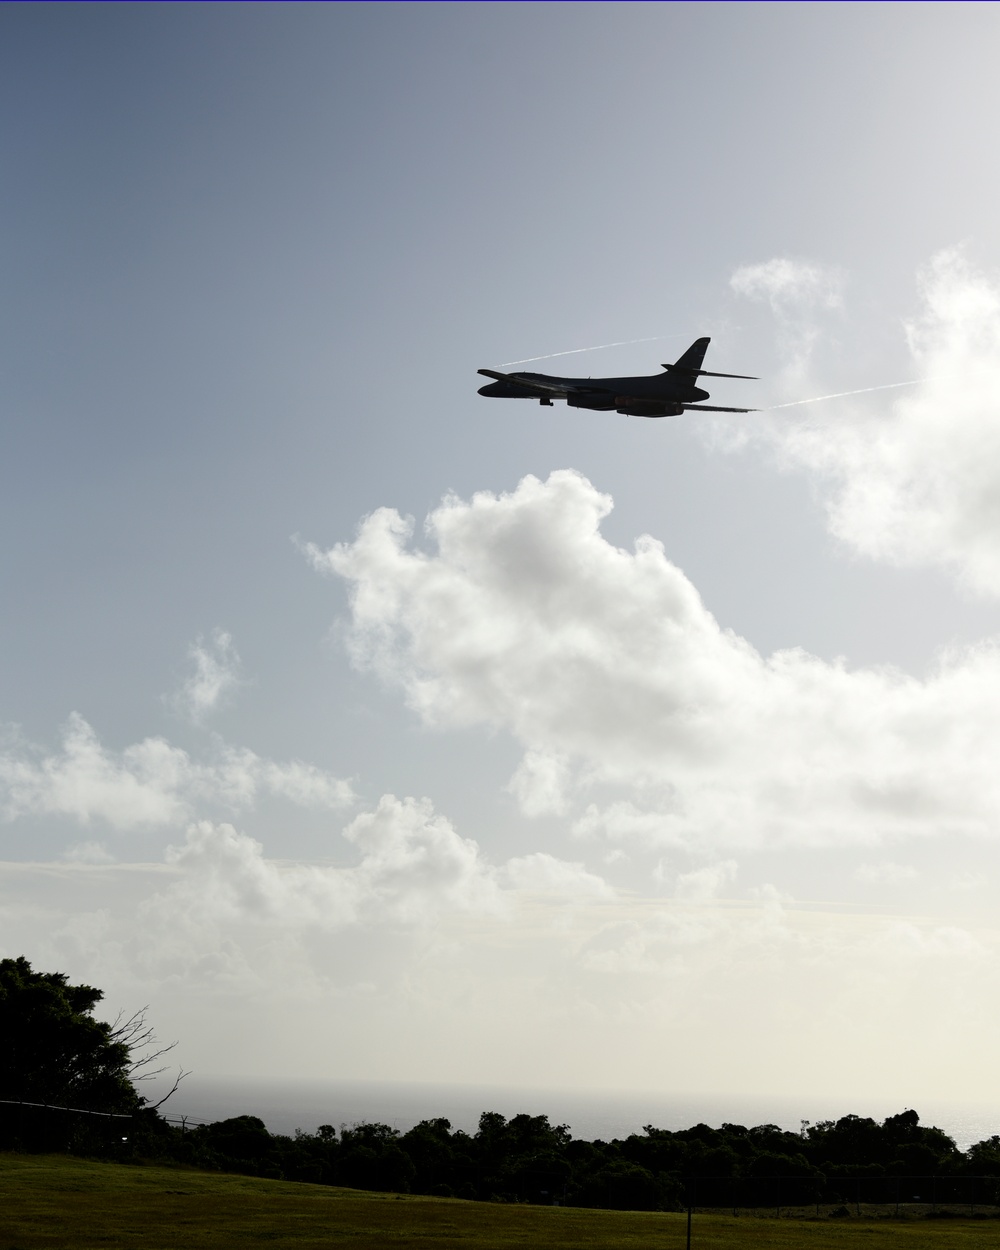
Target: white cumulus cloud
(411,868)
(913,478)
(216,675)
(608,669)
(150,783)
(545,874)
(786,283)
(799,294)
(706,883)
(414,864)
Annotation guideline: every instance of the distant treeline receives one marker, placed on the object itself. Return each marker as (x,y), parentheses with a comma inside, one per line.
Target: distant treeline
(69,1082)
(528,1159)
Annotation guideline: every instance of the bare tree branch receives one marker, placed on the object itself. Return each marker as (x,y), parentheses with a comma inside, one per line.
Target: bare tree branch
(181,1074)
(136,1034)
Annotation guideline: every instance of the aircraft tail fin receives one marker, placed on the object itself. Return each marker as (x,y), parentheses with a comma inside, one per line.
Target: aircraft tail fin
(691,361)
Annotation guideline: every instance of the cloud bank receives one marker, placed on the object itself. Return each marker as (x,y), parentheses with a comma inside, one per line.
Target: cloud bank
(421,959)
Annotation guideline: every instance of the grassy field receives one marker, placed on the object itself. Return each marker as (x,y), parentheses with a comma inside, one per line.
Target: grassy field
(61,1203)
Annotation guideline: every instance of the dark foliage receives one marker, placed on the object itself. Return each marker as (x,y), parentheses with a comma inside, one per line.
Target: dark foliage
(528,1159)
(53,1052)
(52,1049)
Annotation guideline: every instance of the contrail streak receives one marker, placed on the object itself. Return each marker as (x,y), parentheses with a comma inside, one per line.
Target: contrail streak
(889,386)
(600,347)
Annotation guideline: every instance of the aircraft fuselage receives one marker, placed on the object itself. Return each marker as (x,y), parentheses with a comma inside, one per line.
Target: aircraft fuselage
(655,387)
(664,394)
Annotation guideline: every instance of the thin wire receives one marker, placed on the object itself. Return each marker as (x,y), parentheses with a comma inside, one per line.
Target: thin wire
(52,1106)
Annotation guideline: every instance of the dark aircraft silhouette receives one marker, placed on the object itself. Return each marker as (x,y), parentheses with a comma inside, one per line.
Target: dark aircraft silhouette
(659,395)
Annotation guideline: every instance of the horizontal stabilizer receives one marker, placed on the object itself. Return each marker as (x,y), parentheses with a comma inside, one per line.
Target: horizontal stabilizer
(707,373)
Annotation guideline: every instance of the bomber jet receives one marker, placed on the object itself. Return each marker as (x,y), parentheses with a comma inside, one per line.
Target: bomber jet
(665,394)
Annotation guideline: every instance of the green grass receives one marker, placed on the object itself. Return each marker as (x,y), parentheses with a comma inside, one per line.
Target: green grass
(55,1202)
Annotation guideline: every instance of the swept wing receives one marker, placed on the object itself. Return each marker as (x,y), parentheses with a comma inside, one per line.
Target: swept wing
(533,386)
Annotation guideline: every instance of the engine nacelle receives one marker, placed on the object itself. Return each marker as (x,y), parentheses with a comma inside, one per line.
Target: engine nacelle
(655,408)
(599,403)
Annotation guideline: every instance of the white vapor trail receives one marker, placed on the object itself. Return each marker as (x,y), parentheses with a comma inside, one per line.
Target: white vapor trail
(600,347)
(889,386)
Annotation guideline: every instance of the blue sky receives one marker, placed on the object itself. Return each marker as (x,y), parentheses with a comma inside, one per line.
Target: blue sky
(495,794)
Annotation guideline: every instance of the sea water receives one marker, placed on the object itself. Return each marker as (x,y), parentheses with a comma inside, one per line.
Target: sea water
(287,1105)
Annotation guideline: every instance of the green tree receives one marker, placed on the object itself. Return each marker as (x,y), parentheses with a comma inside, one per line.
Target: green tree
(429,1145)
(81,1070)
(984,1157)
(52,1050)
(371,1158)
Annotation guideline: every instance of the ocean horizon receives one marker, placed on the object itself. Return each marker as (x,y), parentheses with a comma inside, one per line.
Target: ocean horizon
(302,1103)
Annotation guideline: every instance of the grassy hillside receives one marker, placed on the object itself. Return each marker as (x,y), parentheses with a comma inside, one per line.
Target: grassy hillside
(59,1202)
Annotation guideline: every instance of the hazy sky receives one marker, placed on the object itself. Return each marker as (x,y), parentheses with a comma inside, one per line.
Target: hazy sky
(345,722)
